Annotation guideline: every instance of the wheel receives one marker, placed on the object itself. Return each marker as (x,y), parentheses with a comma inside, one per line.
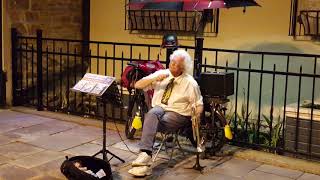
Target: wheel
(130,131)
(136,103)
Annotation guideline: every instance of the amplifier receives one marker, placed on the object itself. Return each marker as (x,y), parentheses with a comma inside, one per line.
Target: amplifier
(217,84)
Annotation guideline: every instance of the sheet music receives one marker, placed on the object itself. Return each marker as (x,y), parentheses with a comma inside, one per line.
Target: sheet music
(93,84)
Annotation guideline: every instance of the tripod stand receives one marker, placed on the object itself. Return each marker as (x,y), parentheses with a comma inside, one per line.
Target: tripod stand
(104,150)
(111,96)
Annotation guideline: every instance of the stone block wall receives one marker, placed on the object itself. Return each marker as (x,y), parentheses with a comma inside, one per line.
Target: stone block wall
(57,18)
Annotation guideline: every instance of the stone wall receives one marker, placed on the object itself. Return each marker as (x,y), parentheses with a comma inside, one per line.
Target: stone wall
(57,18)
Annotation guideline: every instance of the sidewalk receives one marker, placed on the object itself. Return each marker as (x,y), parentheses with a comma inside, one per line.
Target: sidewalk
(33,147)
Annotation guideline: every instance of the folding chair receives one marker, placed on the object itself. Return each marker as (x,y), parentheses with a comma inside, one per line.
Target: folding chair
(175,142)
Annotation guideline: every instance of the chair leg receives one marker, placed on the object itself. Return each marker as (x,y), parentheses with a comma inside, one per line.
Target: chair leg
(178,143)
(172,149)
(164,139)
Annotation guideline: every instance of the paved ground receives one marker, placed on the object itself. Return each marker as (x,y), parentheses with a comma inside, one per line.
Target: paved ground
(33,147)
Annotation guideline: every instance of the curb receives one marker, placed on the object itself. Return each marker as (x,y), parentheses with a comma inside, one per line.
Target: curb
(280,161)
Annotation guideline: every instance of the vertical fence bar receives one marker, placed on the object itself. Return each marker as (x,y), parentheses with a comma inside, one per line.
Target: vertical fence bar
(298,112)
(114,60)
(227,65)
(75,77)
(312,104)
(20,67)
(216,61)
(32,75)
(27,71)
(198,56)
(83,52)
(98,54)
(14,52)
(272,101)
(205,63)
(97,70)
(113,72)
(105,63)
(60,77)
(131,53)
(235,130)
(68,78)
(169,51)
(47,76)
(148,54)
(259,106)
(248,102)
(285,102)
(122,56)
(89,72)
(39,71)
(54,75)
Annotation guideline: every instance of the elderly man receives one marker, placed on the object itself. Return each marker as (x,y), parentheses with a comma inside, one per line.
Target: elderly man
(175,93)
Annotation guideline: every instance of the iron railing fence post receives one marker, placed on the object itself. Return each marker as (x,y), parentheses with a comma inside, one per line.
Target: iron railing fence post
(39,71)
(14,52)
(169,51)
(198,57)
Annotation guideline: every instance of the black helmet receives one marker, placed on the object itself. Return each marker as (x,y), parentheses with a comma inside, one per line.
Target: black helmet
(169,41)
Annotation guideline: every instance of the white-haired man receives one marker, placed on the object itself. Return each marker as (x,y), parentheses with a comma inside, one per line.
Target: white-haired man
(175,92)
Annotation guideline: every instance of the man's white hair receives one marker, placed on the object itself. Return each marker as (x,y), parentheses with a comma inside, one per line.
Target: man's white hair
(188,63)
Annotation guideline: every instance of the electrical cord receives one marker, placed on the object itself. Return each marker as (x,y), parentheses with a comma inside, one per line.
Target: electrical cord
(122,140)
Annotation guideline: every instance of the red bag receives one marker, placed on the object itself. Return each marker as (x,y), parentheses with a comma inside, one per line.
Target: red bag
(130,76)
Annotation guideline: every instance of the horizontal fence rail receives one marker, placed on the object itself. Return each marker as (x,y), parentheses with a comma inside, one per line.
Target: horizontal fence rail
(275,105)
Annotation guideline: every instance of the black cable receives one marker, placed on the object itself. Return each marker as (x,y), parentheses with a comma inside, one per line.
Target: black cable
(122,140)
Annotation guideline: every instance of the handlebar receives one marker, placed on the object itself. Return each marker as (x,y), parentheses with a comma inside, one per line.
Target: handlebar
(136,65)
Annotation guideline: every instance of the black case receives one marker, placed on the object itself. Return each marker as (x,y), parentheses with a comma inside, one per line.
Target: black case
(217,84)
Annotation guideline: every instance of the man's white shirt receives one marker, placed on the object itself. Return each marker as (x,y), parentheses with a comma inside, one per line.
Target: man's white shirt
(185,92)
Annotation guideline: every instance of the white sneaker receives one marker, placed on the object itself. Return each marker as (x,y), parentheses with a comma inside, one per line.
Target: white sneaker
(143,159)
(140,171)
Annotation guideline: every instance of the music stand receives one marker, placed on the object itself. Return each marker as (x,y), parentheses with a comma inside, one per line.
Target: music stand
(106,91)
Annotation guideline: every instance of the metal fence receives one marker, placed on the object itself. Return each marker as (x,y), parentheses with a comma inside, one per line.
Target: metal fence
(274,105)
(45,69)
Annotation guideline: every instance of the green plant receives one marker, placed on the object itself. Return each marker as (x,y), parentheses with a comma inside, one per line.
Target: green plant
(246,128)
(275,129)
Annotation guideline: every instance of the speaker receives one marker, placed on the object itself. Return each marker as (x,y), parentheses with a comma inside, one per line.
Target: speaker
(217,84)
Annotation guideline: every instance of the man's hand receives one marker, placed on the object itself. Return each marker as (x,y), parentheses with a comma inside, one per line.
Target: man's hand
(144,82)
(161,77)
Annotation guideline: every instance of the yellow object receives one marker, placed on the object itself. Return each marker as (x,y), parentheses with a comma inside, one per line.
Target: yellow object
(227,132)
(136,123)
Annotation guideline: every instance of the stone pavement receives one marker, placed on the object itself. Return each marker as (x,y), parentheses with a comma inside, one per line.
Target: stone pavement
(33,147)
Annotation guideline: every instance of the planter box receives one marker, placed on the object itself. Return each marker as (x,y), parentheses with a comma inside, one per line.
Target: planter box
(303,130)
